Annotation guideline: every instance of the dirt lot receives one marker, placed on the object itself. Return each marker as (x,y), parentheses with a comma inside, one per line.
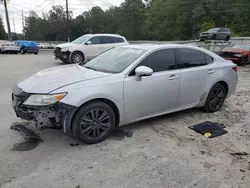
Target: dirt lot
(160,152)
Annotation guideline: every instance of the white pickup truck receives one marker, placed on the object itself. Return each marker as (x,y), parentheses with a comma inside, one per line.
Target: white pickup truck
(87,47)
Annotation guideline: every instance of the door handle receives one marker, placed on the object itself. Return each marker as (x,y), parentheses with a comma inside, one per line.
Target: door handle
(211,71)
(173,77)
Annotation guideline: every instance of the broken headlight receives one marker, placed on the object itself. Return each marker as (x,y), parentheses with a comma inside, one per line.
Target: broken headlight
(43,100)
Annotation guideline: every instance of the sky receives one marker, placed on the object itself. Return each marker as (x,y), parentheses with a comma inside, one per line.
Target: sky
(15,8)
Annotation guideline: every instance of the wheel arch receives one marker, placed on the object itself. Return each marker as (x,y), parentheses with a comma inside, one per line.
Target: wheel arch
(204,96)
(78,51)
(104,100)
(225,84)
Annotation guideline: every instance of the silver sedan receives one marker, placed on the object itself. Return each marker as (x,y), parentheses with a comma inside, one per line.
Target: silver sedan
(124,85)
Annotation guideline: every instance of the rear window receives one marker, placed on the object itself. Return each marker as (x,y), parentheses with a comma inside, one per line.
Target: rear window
(118,39)
(208,59)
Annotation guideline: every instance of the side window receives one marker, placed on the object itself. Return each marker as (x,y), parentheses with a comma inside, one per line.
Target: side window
(95,40)
(107,40)
(118,39)
(161,60)
(208,59)
(190,58)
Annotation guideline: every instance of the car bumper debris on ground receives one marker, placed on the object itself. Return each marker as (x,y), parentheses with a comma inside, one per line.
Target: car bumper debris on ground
(162,152)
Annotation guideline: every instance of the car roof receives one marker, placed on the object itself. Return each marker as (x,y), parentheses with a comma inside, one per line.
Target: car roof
(152,47)
(158,46)
(105,34)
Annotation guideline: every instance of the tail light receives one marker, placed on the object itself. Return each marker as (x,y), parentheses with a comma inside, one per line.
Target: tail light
(235,68)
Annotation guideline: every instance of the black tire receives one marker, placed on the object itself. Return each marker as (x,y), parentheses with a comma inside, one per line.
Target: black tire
(227,38)
(243,61)
(23,51)
(36,53)
(215,98)
(94,122)
(77,57)
(213,37)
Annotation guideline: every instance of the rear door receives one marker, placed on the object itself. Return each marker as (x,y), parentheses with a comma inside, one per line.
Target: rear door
(107,43)
(195,72)
(222,34)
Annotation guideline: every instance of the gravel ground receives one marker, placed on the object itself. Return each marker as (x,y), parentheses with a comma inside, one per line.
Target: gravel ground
(160,152)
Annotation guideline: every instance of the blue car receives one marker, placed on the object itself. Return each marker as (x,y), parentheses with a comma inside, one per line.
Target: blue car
(27,46)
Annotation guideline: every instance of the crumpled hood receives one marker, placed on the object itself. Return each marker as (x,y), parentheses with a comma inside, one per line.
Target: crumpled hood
(51,79)
(65,45)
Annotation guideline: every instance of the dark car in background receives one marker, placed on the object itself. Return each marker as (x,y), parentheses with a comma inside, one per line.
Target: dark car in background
(239,54)
(27,46)
(216,34)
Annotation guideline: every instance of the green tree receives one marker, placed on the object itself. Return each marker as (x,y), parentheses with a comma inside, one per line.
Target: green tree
(34,28)
(144,19)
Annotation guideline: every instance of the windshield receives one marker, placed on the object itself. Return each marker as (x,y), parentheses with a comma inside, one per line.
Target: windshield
(242,47)
(81,39)
(214,29)
(114,60)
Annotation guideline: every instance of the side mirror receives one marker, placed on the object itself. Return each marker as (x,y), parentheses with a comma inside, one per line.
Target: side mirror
(88,43)
(143,71)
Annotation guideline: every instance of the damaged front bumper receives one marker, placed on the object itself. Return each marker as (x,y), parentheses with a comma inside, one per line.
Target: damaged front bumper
(57,116)
(62,55)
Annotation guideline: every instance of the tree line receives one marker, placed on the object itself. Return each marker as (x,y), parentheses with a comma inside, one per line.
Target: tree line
(143,20)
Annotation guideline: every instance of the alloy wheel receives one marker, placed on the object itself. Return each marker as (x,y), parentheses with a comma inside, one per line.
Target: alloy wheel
(77,58)
(217,98)
(95,123)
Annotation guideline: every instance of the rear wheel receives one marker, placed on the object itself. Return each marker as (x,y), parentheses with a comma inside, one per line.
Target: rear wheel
(93,122)
(227,38)
(215,98)
(77,57)
(36,53)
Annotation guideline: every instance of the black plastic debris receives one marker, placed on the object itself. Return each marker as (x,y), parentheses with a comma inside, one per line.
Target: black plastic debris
(73,145)
(239,154)
(32,140)
(209,129)
(27,134)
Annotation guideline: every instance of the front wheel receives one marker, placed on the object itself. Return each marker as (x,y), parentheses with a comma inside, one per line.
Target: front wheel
(227,38)
(36,53)
(215,98)
(243,61)
(22,51)
(93,122)
(77,57)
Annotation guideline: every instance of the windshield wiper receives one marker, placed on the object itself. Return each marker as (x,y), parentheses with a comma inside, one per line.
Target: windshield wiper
(91,68)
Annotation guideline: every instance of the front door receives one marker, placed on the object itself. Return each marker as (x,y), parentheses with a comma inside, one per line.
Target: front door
(155,94)
(93,47)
